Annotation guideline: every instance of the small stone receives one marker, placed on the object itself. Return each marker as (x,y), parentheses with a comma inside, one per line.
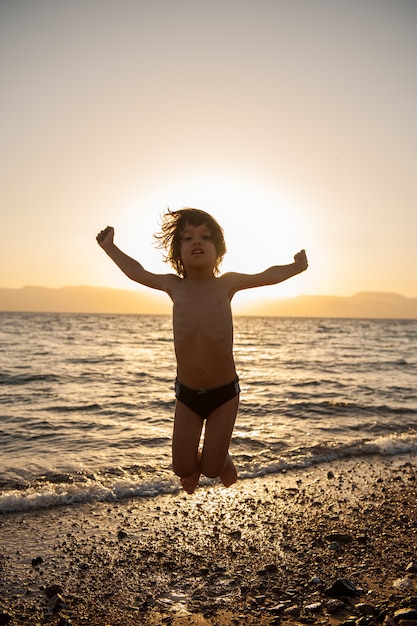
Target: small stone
(260,599)
(277,609)
(271,567)
(405,614)
(313,608)
(5,618)
(53,590)
(411,567)
(334,606)
(122,534)
(342,587)
(56,604)
(235,534)
(339,537)
(315,580)
(330,475)
(38,560)
(293,610)
(402,584)
(366,609)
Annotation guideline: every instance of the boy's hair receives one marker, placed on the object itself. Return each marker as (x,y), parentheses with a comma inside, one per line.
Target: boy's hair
(172,227)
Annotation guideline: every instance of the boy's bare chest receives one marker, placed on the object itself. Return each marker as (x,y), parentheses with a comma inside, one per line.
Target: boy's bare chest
(202,311)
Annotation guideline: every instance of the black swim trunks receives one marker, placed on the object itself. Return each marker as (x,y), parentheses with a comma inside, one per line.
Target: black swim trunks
(204,401)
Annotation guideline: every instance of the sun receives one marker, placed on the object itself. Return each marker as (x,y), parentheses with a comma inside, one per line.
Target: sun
(262,226)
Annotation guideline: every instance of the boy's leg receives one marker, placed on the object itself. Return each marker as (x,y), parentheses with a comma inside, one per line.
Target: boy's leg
(228,474)
(215,458)
(190,483)
(185,443)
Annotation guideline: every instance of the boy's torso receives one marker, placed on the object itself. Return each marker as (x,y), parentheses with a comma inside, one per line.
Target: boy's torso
(203,333)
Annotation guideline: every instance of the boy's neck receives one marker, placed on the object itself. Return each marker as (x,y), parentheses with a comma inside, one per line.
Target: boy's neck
(200,276)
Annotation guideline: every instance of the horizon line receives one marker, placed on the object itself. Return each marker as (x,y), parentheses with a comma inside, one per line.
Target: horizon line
(139,286)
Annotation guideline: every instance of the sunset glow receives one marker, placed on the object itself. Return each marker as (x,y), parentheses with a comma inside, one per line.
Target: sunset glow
(293,123)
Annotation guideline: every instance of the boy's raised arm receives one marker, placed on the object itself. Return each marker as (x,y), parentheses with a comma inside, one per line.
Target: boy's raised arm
(278,273)
(132,268)
(273,275)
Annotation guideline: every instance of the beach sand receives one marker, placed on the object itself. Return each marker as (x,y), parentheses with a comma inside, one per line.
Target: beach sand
(327,545)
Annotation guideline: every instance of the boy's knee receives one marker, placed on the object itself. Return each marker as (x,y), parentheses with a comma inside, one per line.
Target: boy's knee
(183,470)
(212,469)
(212,473)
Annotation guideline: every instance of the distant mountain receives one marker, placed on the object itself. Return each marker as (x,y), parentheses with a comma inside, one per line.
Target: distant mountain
(106,300)
(83,300)
(361,305)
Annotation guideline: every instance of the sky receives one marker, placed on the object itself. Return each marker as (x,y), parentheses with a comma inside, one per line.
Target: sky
(292,122)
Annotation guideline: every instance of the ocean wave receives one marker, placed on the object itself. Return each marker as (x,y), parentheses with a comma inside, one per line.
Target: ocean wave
(73,408)
(53,494)
(24,379)
(303,457)
(54,489)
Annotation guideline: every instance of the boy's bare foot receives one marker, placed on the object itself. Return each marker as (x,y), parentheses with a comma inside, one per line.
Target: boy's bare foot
(189,483)
(229,473)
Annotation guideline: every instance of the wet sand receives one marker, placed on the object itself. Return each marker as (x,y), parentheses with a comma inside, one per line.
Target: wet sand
(336,544)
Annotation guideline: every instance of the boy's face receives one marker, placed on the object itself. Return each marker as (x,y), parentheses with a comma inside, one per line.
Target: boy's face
(197,248)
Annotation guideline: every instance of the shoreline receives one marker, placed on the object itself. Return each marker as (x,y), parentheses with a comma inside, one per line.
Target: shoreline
(268,550)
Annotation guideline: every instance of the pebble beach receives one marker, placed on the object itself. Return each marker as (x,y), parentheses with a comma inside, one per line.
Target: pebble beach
(333,544)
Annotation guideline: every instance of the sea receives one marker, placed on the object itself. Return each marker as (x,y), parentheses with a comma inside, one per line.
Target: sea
(87,401)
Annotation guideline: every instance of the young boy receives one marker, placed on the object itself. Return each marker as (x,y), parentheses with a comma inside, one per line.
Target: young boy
(206,387)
